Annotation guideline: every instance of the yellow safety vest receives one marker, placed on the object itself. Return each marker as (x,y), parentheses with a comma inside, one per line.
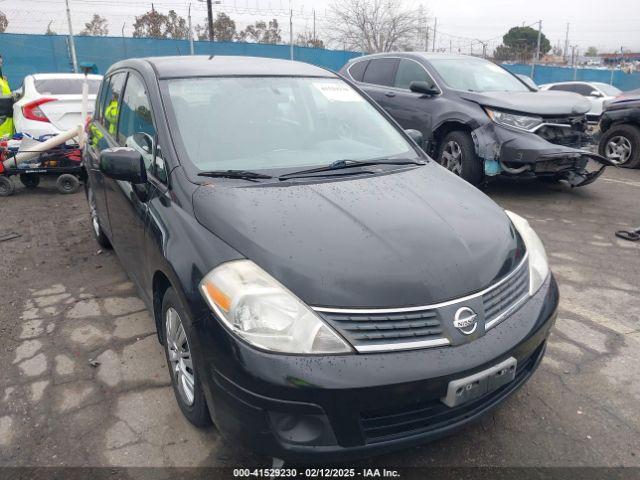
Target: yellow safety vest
(6,127)
(111,116)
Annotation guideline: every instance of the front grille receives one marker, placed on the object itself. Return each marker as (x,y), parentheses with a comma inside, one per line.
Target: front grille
(555,130)
(502,300)
(429,415)
(365,330)
(422,327)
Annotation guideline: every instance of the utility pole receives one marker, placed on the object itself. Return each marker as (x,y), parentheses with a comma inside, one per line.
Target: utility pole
(290,30)
(314,26)
(72,43)
(190,32)
(210,20)
(565,52)
(574,60)
(536,59)
(435,28)
(450,46)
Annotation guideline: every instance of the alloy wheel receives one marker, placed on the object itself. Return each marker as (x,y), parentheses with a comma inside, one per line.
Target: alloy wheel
(179,354)
(618,149)
(452,157)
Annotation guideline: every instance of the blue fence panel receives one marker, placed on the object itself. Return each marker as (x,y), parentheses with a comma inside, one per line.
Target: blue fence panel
(26,54)
(549,74)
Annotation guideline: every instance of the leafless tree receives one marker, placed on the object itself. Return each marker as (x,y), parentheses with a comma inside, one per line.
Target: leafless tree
(374,25)
(97,27)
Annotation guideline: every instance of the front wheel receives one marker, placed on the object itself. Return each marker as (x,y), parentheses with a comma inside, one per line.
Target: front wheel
(621,144)
(457,153)
(6,186)
(184,374)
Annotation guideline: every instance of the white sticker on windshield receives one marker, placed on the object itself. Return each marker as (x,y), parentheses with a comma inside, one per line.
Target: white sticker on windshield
(338,92)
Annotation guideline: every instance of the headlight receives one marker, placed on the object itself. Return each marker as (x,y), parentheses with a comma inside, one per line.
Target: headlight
(264,313)
(521,122)
(538,264)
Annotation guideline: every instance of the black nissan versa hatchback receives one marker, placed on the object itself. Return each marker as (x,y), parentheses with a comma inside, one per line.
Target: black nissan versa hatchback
(323,290)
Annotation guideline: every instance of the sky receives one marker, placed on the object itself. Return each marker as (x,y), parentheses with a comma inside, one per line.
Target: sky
(607,26)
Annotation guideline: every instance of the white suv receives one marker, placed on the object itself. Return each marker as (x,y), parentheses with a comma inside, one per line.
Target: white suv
(596,92)
(50,103)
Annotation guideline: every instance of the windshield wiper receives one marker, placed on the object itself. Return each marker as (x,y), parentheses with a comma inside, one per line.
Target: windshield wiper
(341,164)
(242,174)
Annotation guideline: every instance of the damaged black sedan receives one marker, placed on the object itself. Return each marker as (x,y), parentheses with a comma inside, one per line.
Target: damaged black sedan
(481,121)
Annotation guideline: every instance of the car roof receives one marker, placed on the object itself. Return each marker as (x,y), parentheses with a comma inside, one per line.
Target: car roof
(422,55)
(225,65)
(63,76)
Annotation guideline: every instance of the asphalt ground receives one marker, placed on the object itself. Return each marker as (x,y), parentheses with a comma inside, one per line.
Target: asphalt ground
(65,303)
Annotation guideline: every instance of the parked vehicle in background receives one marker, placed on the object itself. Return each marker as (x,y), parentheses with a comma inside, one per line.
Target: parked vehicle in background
(322,288)
(620,128)
(596,92)
(51,103)
(479,119)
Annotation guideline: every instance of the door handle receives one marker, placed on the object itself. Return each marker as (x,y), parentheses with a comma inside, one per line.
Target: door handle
(390,94)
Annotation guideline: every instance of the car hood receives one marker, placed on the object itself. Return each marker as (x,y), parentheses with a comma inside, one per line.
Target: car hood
(415,237)
(629,99)
(545,103)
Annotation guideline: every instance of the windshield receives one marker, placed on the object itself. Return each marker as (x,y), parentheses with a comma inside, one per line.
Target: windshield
(476,75)
(254,123)
(608,90)
(65,86)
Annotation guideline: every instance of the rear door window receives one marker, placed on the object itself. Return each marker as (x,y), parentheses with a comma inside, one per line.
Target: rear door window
(112,99)
(410,71)
(357,70)
(64,86)
(381,71)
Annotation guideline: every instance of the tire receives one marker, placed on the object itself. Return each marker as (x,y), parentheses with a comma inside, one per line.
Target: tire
(457,153)
(30,180)
(184,375)
(621,143)
(6,186)
(98,233)
(67,183)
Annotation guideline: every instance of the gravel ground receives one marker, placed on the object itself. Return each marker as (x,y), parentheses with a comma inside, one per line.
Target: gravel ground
(66,303)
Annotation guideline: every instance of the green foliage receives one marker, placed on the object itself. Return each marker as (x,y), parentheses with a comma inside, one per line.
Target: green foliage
(519,43)
(591,52)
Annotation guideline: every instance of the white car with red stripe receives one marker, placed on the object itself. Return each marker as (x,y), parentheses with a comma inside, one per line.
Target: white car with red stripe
(51,103)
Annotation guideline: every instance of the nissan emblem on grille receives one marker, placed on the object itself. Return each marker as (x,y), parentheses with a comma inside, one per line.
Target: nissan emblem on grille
(465,320)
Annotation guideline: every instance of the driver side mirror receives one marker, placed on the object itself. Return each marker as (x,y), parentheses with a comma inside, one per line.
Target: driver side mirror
(123,163)
(416,136)
(596,93)
(424,88)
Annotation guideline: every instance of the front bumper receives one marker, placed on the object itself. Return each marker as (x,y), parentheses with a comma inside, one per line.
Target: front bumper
(526,154)
(351,406)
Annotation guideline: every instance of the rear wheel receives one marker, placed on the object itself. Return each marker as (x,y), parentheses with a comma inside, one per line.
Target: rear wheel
(30,180)
(621,144)
(457,153)
(99,235)
(6,186)
(181,362)
(68,183)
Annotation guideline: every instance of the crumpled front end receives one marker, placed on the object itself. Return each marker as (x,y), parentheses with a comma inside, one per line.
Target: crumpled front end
(555,151)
